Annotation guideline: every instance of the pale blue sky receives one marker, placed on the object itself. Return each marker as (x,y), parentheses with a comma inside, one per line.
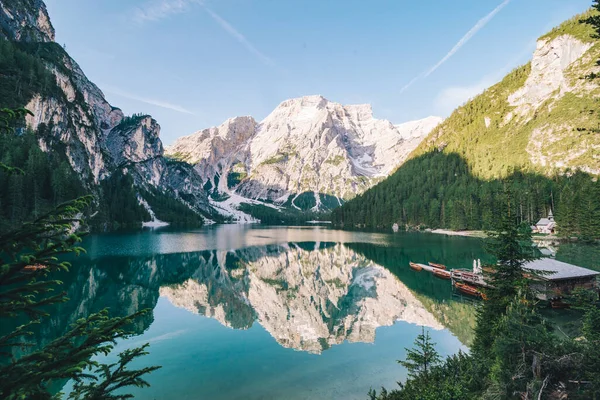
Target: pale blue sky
(192,64)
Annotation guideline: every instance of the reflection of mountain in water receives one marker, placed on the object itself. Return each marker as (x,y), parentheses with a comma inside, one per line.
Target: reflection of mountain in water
(308,297)
(455,312)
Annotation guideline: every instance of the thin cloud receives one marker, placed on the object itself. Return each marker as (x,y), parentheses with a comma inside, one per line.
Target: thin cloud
(240,38)
(468,36)
(146,100)
(451,97)
(160,9)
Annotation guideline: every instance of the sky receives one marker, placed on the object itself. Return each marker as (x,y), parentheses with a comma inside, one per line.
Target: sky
(192,64)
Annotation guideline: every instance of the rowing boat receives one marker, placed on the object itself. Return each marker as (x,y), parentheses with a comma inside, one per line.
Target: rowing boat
(415,266)
(469,290)
(440,273)
(439,266)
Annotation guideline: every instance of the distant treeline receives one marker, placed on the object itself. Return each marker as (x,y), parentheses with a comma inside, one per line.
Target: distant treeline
(438,190)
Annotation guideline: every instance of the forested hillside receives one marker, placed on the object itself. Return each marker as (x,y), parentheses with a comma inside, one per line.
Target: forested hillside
(534,133)
(438,190)
(542,117)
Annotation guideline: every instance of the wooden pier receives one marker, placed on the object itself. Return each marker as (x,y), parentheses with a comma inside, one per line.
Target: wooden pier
(557,278)
(466,276)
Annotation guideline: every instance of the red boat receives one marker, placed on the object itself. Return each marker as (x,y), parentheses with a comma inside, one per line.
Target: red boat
(469,290)
(439,266)
(440,273)
(415,266)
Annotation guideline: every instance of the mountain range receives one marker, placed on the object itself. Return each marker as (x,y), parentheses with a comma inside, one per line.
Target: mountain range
(309,154)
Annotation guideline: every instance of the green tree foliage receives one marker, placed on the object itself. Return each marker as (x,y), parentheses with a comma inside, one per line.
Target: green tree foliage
(515,353)
(438,190)
(29,255)
(23,75)
(167,208)
(510,244)
(594,22)
(453,379)
(45,180)
(422,359)
(119,206)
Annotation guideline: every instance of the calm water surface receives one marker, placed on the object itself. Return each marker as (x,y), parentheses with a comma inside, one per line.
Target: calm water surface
(248,312)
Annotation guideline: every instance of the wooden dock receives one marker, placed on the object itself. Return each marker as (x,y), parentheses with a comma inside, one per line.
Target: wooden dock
(466,276)
(459,275)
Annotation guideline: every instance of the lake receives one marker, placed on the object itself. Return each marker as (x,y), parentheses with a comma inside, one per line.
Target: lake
(251,312)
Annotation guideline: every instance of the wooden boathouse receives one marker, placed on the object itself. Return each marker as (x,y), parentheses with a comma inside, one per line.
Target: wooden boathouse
(560,278)
(556,278)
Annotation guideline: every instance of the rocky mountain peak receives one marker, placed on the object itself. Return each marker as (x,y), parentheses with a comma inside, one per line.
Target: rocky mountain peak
(309,153)
(73,118)
(314,101)
(419,128)
(313,106)
(26,21)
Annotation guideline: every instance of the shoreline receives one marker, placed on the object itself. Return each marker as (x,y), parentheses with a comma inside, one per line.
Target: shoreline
(448,232)
(482,235)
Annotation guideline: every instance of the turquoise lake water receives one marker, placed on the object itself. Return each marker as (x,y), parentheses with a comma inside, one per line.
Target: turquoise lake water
(250,312)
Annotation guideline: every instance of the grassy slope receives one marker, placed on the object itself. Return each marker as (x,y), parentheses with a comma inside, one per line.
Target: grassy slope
(495,150)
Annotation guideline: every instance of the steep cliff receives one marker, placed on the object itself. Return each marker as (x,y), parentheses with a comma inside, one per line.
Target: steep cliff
(309,153)
(72,117)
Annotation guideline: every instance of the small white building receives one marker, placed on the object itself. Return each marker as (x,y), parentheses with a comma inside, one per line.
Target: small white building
(545,225)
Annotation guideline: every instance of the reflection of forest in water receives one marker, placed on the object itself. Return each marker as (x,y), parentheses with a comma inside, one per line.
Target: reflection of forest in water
(309,296)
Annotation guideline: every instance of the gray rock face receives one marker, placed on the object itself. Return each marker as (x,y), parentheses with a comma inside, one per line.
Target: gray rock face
(25,20)
(547,79)
(96,137)
(306,145)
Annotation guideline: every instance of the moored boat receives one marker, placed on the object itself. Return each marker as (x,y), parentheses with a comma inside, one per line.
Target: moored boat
(439,266)
(440,273)
(415,266)
(469,290)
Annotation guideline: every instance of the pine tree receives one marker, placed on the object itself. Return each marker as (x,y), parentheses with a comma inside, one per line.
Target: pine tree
(29,255)
(420,360)
(510,243)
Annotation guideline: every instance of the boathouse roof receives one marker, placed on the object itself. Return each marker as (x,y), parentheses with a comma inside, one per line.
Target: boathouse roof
(561,270)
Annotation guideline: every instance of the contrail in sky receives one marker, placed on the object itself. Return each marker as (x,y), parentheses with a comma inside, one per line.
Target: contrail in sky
(240,38)
(157,10)
(143,99)
(476,28)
